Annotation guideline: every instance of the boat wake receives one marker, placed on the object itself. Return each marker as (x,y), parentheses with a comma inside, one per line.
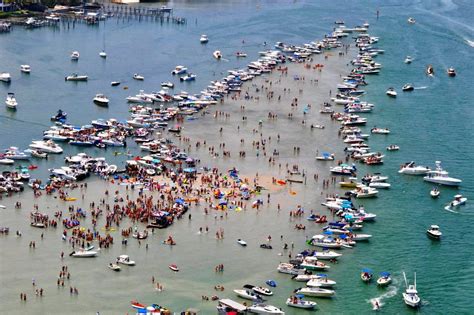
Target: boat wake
(448,208)
(469,42)
(377,302)
(421,88)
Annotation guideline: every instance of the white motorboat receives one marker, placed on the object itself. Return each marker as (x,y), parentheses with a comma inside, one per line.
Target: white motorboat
(25,68)
(204,39)
(240,54)
(360,237)
(179,70)
(312,263)
(451,72)
(325,242)
(434,193)
(366,275)
(75,55)
(434,232)
(411,20)
(408,60)
(260,308)
(300,303)
(440,176)
(393,147)
(410,296)
(290,269)
(365,192)
(125,260)
(167,84)
(217,54)
(321,281)
(5,77)
(379,185)
(408,87)
(248,295)
(259,290)
(11,101)
(327,255)
(241,242)
(412,169)
(115,83)
(6,161)
(84,254)
(138,77)
(76,77)
(383,131)
(37,153)
(316,292)
(384,279)
(101,99)
(46,146)
(459,200)
(325,157)
(103,54)
(188,77)
(391,92)
(114,267)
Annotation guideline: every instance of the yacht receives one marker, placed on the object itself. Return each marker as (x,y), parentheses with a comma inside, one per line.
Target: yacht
(25,68)
(179,70)
(434,232)
(407,87)
(11,101)
(391,92)
(411,169)
(75,55)
(451,72)
(76,77)
(5,77)
(410,296)
(103,54)
(101,99)
(167,84)
(440,176)
(204,39)
(217,54)
(46,146)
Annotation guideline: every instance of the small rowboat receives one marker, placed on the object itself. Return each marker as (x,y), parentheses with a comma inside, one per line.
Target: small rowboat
(173,267)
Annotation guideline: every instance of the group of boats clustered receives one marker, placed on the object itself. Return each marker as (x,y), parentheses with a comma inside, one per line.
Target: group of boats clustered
(146,120)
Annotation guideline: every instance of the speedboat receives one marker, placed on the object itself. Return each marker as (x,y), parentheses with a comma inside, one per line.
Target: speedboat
(6,161)
(430,70)
(114,267)
(75,55)
(459,200)
(451,72)
(411,20)
(125,260)
(259,290)
(290,269)
(260,308)
(204,39)
(384,131)
(325,157)
(379,185)
(312,263)
(83,254)
(173,267)
(384,279)
(434,193)
(25,68)
(115,83)
(179,70)
(365,192)
(440,176)
(103,54)
(217,54)
(407,87)
(241,242)
(393,147)
(327,255)
(188,77)
(138,77)
(408,60)
(47,146)
(76,77)
(248,295)
(5,77)
(410,296)
(434,232)
(320,281)
(391,92)
(11,101)
(295,301)
(240,54)
(411,169)
(167,84)
(101,99)
(316,292)
(37,153)
(366,275)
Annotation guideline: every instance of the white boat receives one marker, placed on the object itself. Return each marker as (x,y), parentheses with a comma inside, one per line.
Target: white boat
(316,292)
(411,20)
(241,242)
(5,77)
(101,99)
(459,200)
(115,83)
(393,147)
(179,70)
(434,193)
(379,185)
(408,60)
(262,291)
(217,54)
(83,254)
(312,263)
(46,146)
(365,192)
(325,242)
(167,84)
(300,303)
(125,260)
(264,309)
(384,131)
(25,68)
(6,161)
(366,275)
(114,267)
(327,255)
(384,279)
(138,77)
(290,269)
(204,39)
(103,54)
(408,87)
(440,176)
(410,296)
(412,169)
(325,157)
(360,237)
(11,101)
(320,281)
(434,232)
(248,295)
(75,55)
(188,77)
(391,92)
(76,77)
(37,153)
(240,54)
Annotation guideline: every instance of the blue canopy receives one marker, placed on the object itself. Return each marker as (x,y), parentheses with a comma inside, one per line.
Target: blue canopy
(179,201)
(299,296)
(141,311)
(189,170)
(343,236)
(385,274)
(322,275)
(328,232)
(367,270)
